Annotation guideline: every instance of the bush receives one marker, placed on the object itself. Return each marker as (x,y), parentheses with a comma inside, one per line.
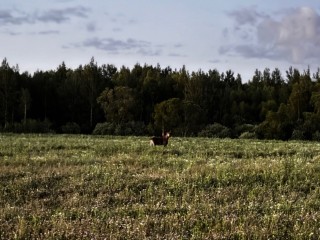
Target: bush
(248,135)
(71,128)
(125,129)
(31,126)
(106,128)
(215,130)
(316,136)
(118,130)
(240,129)
(225,133)
(137,128)
(297,135)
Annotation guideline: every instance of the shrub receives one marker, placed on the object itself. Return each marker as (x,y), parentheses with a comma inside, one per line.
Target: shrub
(248,135)
(71,128)
(240,129)
(225,133)
(297,135)
(129,128)
(118,130)
(316,136)
(105,128)
(136,128)
(215,130)
(31,126)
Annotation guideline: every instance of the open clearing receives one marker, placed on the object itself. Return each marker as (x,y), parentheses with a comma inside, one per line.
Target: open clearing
(89,187)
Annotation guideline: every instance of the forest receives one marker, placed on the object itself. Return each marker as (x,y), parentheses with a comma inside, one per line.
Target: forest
(146,99)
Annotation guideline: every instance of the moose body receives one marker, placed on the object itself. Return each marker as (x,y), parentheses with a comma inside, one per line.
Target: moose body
(160,140)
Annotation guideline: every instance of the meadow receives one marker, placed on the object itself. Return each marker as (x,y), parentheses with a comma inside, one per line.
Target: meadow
(103,187)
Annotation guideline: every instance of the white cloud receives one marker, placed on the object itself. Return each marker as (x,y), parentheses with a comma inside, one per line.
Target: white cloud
(91,27)
(62,15)
(14,17)
(116,46)
(295,37)
(247,16)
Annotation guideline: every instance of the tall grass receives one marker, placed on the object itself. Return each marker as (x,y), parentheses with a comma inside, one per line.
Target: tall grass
(89,187)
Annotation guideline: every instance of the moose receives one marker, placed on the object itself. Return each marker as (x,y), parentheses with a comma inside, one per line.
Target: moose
(160,140)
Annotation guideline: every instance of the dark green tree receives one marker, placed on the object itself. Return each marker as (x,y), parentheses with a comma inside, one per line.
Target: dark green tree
(25,103)
(119,104)
(193,118)
(8,93)
(277,125)
(92,85)
(168,114)
(315,98)
(299,99)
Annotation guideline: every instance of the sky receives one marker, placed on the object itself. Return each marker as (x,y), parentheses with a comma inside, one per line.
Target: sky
(241,36)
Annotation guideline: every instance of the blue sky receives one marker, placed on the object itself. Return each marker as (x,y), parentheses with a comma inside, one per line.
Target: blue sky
(203,34)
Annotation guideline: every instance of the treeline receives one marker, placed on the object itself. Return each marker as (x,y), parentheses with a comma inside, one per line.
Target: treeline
(147,99)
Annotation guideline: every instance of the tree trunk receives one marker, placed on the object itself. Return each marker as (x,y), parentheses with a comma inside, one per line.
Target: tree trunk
(91,115)
(6,114)
(25,114)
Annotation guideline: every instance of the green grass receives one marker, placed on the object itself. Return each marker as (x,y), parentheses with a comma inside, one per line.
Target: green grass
(87,187)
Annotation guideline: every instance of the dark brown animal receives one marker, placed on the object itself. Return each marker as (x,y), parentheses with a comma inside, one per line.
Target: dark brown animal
(160,140)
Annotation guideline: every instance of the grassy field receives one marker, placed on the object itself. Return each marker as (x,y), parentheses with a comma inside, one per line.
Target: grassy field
(86,187)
